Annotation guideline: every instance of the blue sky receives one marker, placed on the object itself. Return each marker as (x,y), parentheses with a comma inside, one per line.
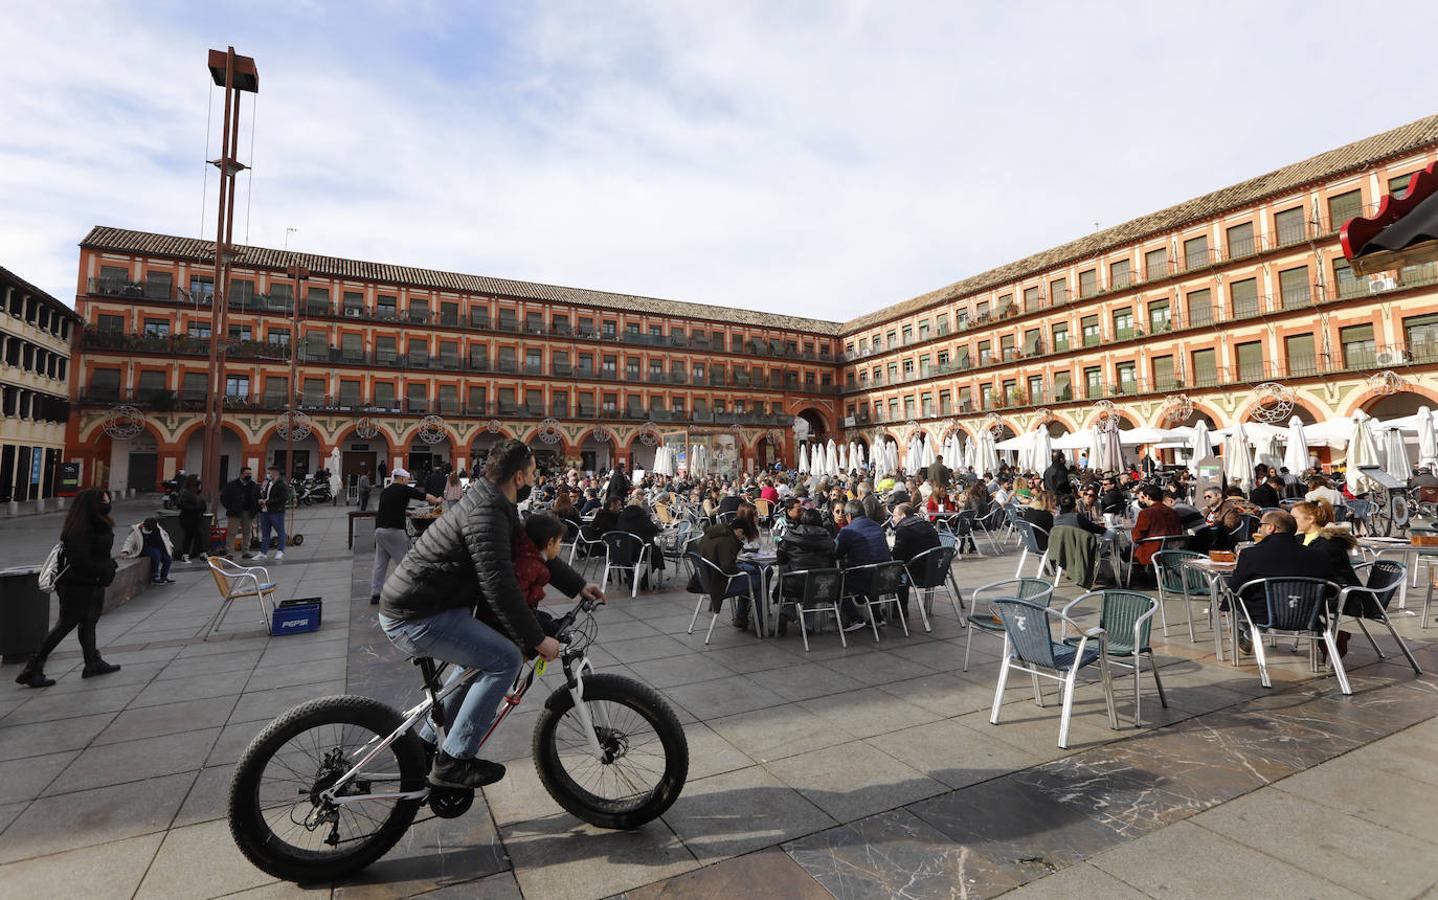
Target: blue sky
(821,158)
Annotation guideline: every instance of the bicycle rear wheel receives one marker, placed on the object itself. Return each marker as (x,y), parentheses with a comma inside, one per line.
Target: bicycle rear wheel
(277,816)
(646,756)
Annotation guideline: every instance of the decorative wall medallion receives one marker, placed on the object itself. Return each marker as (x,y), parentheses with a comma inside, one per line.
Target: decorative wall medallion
(1180,408)
(1274,403)
(431,429)
(294,426)
(124,423)
(994,424)
(1387,382)
(549,431)
(649,434)
(602,435)
(493,426)
(366,428)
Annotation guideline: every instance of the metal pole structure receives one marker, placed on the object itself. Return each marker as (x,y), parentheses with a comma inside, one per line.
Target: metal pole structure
(299,274)
(236,74)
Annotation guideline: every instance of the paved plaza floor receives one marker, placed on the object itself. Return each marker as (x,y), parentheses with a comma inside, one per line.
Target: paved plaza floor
(866,772)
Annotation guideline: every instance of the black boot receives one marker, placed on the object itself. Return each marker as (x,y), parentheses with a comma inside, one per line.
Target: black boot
(98,667)
(450,772)
(33,675)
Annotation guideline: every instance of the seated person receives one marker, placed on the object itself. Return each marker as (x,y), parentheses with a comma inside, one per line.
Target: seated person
(591,503)
(1156,519)
(1088,503)
(1038,511)
(837,518)
(860,543)
(1268,493)
(635,519)
(1277,554)
(787,517)
(730,502)
(913,535)
(809,544)
(1188,515)
(149,539)
(606,520)
(1112,499)
(721,545)
(1070,514)
(1316,530)
(1320,489)
(541,540)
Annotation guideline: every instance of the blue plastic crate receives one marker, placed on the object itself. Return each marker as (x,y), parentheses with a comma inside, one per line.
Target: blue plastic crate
(296,616)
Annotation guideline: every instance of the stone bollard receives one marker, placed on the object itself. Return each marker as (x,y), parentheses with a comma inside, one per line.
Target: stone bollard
(13,508)
(39,504)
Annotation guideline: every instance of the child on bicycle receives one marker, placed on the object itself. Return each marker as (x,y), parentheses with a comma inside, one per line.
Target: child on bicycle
(541,540)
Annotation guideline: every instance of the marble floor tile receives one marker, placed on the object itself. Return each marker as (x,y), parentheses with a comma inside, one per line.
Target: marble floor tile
(722,697)
(314,671)
(1365,858)
(897,854)
(207,848)
(1186,861)
(257,705)
(171,718)
(954,754)
(1406,754)
(943,693)
(804,682)
(433,854)
(101,698)
(190,667)
(741,811)
(562,858)
(103,872)
(42,738)
(1083,880)
(767,873)
(878,668)
(673,671)
(501,886)
(95,816)
(849,781)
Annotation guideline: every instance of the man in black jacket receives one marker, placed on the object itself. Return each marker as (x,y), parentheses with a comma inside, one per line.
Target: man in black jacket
(913,535)
(1267,494)
(619,485)
(1278,554)
(274,498)
(241,500)
(454,597)
(1056,476)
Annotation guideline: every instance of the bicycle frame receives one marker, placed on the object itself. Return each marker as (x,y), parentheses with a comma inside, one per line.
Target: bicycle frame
(574,668)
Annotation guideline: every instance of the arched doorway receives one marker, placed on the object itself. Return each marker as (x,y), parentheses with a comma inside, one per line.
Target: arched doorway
(596,454)
(641,455)
(768,451)
(422,458)
(1397,405)
(549,457)
(479,448)
(814,420)
(307,454)
(231,454)
(362,456)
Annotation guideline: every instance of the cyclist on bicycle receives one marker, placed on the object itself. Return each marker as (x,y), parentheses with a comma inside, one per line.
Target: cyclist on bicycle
(454,598)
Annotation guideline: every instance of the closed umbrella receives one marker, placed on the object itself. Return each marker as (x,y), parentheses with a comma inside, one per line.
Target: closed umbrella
(891,456)
(1427,440)
(1042,450)
(928,459)
(1362,451)
(988,454)
(803,459)
(971,453)
(1395,455)
(1265,447)
(1201,446)
(843,458)
(1295,453)
(831,459)
(1237,458)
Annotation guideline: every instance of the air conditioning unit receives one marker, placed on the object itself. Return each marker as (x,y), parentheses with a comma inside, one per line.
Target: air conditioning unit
(353,313)
(1390,358)
(1379,285)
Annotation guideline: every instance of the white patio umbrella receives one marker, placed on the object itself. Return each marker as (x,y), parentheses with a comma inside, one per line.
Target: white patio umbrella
(1042,449)
(664,461)
(1095,449)
(1265,447)
(1427,440)
(971,453)
(1238,458)
(987,453)
(843,458)
(891,454)
(1295,452)
(928,458)
(1362,451)
(1395,455)
(1335,433)
(1110,449)
(858,458)
(803,465)
(1201,446)
(831,459)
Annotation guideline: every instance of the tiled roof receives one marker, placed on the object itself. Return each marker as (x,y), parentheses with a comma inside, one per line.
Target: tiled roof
(8,276)
(121,240)
(1348,158)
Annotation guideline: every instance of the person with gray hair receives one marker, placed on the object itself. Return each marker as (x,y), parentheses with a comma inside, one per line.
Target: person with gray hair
(860,543)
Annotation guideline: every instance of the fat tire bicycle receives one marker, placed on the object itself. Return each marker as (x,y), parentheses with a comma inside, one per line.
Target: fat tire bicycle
(333,784)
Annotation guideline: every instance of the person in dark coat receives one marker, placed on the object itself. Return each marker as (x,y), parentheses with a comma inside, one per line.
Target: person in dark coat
(1278,553)
(1069,514)
(193,545)
(1037,512)
(635,519)
(454,597)
(619,485)
(241,502)
(88,537)
(1268,493)
(913,535)
(939,474)
(809,544)
(607,519)
(1056,476)
(435,481)
(721,545)
(860,543)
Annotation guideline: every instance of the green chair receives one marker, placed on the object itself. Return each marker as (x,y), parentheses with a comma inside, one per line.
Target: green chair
(1125,617)
(1179,582)
(1034,590)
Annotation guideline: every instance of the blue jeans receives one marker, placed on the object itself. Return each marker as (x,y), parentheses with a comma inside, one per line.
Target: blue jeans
(159,563)
(456,636)
(742,589)
(272,521)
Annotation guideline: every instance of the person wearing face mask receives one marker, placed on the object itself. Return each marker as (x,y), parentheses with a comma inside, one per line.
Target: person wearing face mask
(455,598)
(541,541)
(241,500)
(87,568)
(391,539)
(274,497)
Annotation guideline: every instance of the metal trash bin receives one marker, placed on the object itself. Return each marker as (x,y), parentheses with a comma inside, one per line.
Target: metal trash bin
(24,613)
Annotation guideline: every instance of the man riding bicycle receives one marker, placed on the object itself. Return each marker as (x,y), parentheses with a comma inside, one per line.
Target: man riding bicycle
(454,598)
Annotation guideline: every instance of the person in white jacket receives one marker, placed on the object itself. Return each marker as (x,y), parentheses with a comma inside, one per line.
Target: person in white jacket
(149,539)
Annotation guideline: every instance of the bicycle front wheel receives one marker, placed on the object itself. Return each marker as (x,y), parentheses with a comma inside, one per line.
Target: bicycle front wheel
(279,817)
(643,759)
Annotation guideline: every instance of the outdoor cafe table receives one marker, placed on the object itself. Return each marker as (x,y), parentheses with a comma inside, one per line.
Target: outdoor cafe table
(1215,572)
(764,561)
(1377,548)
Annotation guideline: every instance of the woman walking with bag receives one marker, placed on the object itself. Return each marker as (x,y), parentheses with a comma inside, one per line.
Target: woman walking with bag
(88,537)
(192,511)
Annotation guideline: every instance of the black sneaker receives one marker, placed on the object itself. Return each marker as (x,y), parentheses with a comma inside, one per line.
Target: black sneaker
(742,624)
(463,773)
(98,667)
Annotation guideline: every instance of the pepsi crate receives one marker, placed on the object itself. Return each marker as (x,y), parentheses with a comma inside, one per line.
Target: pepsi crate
(297,616)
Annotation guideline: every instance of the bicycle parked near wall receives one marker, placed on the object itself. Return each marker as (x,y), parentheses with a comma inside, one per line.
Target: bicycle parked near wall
(330,786)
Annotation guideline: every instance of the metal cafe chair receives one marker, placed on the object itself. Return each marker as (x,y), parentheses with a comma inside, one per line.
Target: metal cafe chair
(1029,647)
(1029,542)
(1035,590)
(876,584)
(820,591)
(1125,617)
(1291,608)
(933,571)
(1181,582)
(1385,580)
(717,584)
(625,551)
(592,550)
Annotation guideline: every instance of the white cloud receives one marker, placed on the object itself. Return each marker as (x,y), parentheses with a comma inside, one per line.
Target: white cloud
(822,159)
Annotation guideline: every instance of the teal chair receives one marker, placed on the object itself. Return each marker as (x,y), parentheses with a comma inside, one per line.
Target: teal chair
(1034,590)
(1125,617)
(1177,581)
